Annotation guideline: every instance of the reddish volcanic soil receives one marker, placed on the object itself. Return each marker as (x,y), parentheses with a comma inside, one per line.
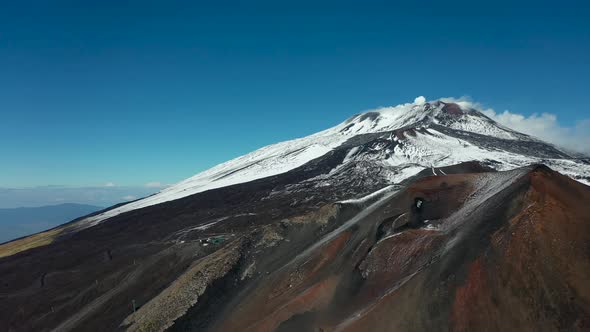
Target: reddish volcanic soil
(518,260)
(476,251)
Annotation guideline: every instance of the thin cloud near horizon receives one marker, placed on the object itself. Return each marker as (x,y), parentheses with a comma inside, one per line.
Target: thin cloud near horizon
(52,195)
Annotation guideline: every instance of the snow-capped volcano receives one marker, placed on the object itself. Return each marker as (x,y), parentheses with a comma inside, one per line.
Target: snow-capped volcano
(394,219)
(400,140)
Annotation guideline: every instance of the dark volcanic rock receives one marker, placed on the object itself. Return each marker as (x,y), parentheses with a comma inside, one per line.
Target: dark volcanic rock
(512,245)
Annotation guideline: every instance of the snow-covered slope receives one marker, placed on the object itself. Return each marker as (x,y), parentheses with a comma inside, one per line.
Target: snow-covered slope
(413,136)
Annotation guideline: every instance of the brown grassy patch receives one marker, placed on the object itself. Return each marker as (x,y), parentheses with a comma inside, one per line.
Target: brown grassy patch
(29,242)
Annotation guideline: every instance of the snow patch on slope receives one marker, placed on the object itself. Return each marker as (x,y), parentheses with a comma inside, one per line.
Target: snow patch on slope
(482,126)
(435,149)
(369,197)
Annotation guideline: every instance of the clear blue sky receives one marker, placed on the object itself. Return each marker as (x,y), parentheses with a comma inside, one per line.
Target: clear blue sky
(136,91)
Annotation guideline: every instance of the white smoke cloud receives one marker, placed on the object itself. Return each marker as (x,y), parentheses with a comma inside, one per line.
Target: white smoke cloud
(419,100)
(544,126)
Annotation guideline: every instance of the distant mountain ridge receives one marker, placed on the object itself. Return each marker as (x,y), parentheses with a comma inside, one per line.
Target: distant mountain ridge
(22,221)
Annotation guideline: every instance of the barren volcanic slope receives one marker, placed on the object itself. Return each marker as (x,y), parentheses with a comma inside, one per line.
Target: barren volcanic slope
(418,217)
